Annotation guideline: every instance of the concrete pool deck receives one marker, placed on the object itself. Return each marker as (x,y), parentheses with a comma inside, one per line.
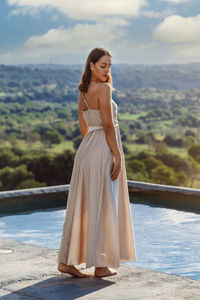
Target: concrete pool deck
(30,272)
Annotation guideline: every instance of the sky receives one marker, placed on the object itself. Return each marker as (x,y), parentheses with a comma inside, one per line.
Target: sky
(65,31)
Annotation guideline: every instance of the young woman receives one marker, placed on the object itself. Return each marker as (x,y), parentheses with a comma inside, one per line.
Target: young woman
(98,227)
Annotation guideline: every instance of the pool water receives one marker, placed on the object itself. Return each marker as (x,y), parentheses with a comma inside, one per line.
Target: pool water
(166,240)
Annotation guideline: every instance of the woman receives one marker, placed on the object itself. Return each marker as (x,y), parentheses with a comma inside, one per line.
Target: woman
(98,227)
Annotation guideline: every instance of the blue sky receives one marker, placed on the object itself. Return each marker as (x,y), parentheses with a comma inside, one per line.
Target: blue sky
(134,31)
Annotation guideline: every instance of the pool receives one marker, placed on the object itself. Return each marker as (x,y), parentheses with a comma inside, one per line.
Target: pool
(167,240)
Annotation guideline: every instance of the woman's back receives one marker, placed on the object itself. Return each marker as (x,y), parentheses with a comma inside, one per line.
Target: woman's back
(93,116)
(92,96)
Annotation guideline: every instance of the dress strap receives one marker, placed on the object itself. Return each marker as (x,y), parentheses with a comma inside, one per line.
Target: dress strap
(85,101)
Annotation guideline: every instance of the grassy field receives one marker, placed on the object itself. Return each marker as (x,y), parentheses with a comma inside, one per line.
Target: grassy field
(136,148)
(56,148)
(180,151)
(128,116)
(61,147)
(133,147)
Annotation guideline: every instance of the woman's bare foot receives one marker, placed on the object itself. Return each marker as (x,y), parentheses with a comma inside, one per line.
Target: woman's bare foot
(103,271)
(72,270)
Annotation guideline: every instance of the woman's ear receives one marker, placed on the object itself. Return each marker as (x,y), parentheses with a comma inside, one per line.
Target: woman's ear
(91,66)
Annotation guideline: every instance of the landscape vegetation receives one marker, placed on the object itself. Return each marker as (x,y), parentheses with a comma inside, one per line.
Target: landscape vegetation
(158,112)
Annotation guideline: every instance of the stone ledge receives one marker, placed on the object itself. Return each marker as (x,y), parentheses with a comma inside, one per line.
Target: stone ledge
(140,192)
(33,199)
(139,185)
(34,191)
(177,197)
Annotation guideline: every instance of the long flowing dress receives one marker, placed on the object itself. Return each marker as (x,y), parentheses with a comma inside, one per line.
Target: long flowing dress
(98,228)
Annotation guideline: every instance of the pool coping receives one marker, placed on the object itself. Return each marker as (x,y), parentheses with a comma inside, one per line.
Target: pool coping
(140,192)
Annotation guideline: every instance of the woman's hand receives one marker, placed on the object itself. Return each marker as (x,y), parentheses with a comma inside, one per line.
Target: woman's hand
(116,167)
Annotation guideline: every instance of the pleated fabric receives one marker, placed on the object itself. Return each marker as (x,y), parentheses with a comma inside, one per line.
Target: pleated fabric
(98,228)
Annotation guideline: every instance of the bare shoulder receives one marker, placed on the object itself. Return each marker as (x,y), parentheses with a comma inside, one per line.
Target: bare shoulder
(104,90)
(104,87)
(104,96)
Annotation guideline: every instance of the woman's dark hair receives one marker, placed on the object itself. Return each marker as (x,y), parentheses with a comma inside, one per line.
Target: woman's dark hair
(93,56)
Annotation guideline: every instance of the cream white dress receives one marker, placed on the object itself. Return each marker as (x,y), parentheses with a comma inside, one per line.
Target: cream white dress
(98,227)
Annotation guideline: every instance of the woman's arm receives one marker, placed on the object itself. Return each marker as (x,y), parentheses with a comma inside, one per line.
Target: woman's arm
(105,104)
(83,127)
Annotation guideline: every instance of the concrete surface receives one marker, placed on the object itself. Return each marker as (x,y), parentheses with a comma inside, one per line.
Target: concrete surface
(30,272)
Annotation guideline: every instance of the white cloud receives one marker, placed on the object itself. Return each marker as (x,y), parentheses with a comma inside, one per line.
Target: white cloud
(89,9)
(116,21)
(177,1)
(56,44)
(156,14)
(176,29)
(82,10)
(24,11)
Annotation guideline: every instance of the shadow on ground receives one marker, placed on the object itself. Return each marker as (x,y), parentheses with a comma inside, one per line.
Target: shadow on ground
(60,287)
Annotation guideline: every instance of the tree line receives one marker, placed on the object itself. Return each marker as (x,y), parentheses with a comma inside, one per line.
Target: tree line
(27,169)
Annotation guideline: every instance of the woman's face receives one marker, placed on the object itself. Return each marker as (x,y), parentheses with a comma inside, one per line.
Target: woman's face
(101,69)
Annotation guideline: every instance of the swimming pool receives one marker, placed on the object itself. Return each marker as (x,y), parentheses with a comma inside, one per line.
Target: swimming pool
(167,240)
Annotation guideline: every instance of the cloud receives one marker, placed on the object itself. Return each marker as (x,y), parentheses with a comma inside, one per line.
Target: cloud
(89,9)
(82,10)
(58,43)
(25,11)
(79,35)
(156,14)
(177,29)
(184,33)
(177,1)
(116,21)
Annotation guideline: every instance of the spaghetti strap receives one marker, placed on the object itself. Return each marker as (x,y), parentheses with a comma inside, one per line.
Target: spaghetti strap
(85,101)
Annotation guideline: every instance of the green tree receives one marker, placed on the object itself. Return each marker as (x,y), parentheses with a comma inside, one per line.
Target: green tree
(151,163)
(11,178)
(137,166)
(7,158)
(30,183)
(52,137)
(194,150)
(164,175)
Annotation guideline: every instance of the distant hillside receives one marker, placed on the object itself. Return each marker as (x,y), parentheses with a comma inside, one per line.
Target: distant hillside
(177,77)
(125,76)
